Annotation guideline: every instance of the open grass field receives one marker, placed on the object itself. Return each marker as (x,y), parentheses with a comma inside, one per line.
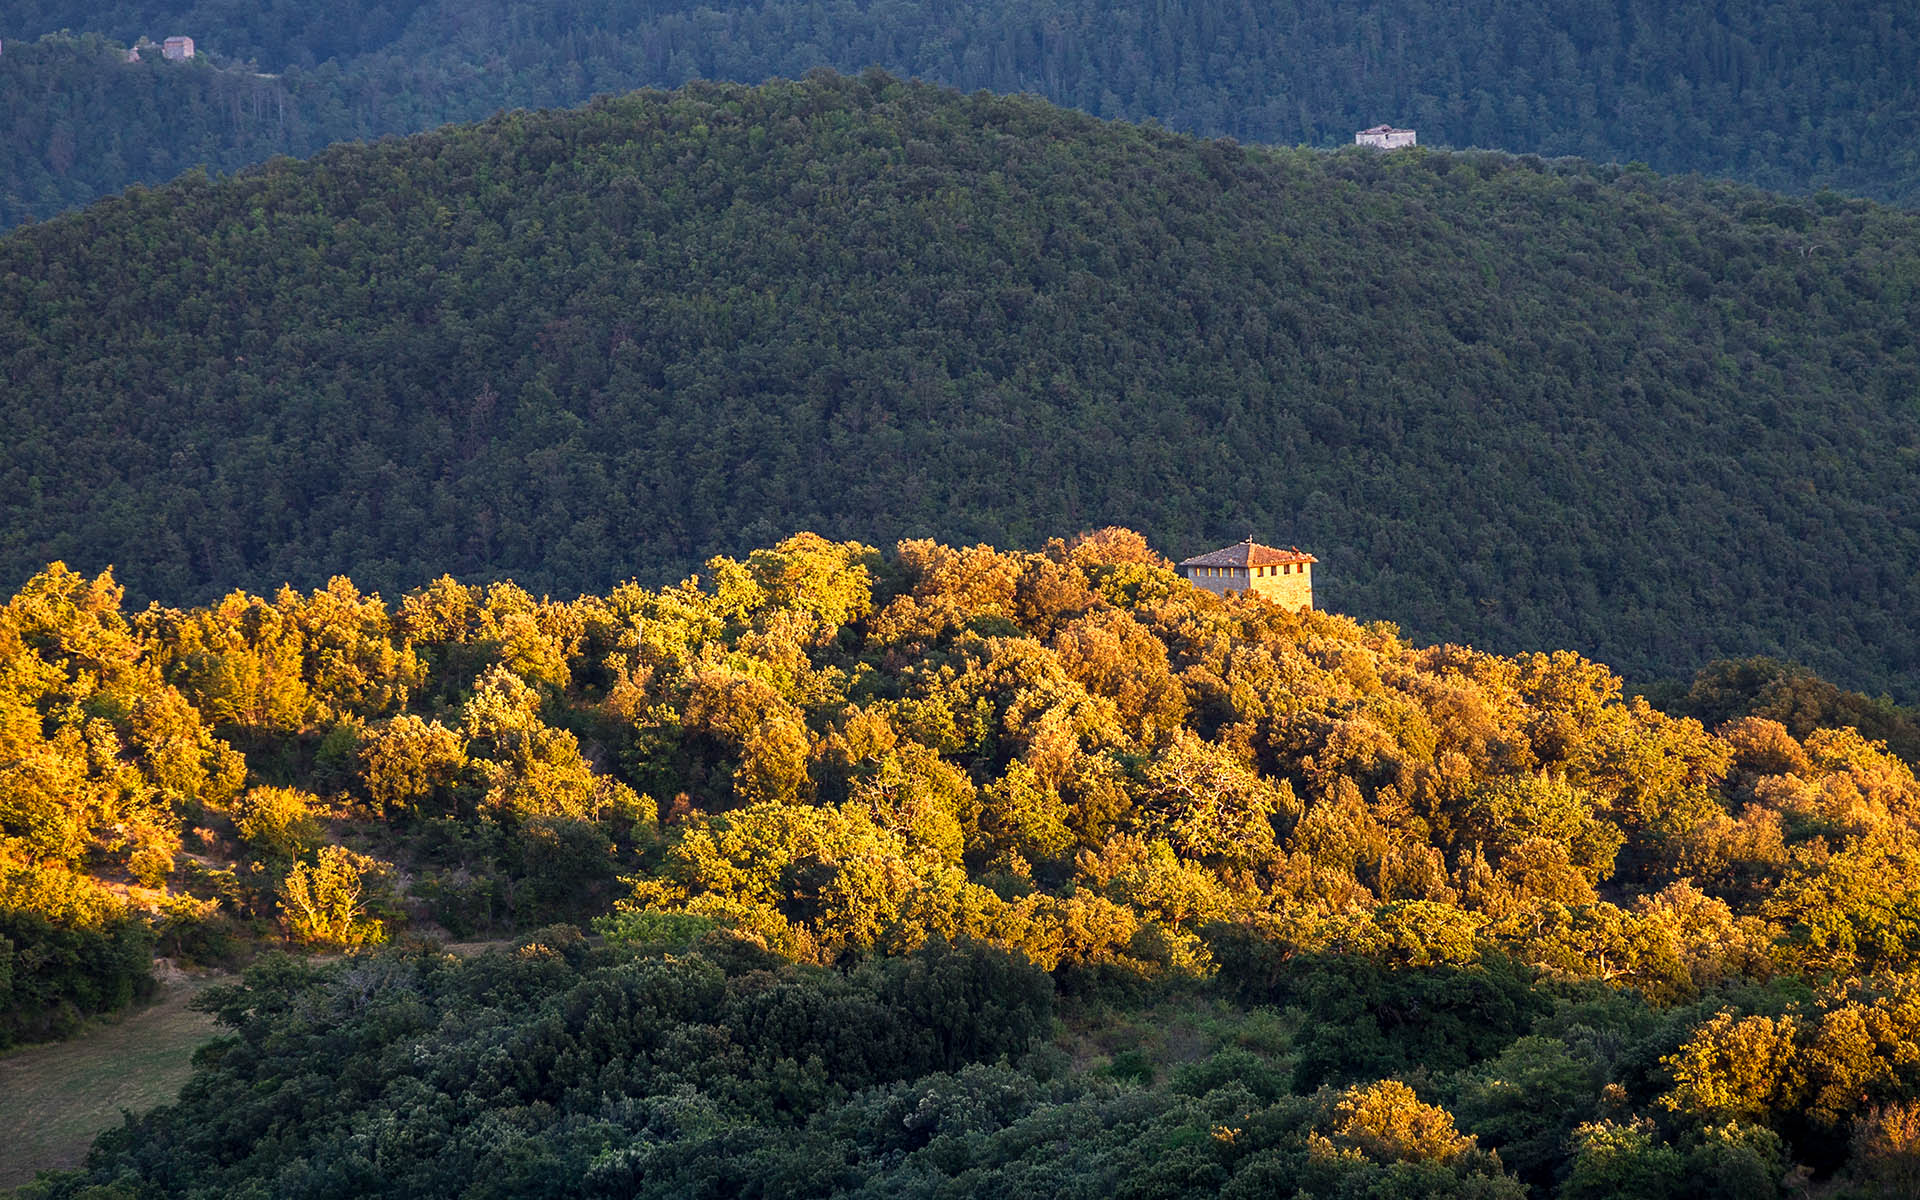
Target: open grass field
(54,1099)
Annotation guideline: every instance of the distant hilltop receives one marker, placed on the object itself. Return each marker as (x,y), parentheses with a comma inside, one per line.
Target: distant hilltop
(1778,93)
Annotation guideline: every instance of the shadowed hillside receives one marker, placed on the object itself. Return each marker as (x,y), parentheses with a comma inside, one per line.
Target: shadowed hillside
(1505,400)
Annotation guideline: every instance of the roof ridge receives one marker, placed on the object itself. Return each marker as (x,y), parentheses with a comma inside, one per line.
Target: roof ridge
(1249,554)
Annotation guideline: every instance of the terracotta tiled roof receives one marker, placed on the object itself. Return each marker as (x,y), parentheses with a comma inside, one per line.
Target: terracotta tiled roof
(1249,554)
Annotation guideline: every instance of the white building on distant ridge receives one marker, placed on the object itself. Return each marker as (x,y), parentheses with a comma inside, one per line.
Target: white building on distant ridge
(177,48)
(1386,137)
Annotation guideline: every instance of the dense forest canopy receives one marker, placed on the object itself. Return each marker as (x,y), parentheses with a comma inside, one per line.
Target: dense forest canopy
(901,864)
(1508,401)
(1787,94)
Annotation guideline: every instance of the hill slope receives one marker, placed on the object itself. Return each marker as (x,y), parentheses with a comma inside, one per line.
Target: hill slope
(1504,400)
(1792,94)
(912,793)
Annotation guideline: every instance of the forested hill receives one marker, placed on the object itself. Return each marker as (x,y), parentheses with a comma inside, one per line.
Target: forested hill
(1504,400)
(948,872)
(1790,94)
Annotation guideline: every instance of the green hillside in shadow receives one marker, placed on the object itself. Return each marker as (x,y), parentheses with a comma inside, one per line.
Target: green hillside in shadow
(1507,400)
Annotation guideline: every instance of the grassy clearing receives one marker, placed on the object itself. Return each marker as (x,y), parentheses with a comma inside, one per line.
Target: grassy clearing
(1149,1042)
(55,1099)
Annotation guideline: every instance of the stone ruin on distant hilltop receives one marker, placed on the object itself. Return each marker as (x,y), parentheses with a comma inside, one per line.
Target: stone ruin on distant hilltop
(1385,137)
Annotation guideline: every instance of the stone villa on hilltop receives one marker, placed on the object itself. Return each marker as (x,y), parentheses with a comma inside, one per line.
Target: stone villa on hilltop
(175,49)
(1282,576)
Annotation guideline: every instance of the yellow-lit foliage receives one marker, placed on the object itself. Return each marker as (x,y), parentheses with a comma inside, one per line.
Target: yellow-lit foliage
(1071,752)
(326,901)
(411,765)
(280,822)
(1386,1121)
